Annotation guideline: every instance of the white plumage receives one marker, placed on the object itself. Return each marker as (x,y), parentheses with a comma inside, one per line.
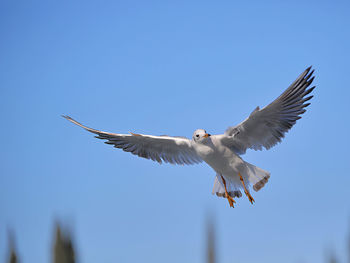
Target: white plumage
(263,128)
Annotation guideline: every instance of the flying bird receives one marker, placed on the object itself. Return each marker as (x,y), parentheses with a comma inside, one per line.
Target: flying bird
(264,128)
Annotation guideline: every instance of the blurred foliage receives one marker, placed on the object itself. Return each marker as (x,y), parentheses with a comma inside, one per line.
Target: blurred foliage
(332,258)
(12,255)
(349,245)
(63,251)
(210,241)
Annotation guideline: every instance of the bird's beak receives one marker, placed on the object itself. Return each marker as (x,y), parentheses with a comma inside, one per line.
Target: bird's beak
(206,135)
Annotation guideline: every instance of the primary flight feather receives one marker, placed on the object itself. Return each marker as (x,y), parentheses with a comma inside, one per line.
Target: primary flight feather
(264,128)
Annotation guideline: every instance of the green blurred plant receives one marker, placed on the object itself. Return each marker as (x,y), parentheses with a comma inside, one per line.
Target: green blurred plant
(210,241)
(332,258)
(12,255)
(63,250)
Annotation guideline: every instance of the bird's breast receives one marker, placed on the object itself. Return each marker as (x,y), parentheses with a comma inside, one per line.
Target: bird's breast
(220,158)
(204,151)
(209,152)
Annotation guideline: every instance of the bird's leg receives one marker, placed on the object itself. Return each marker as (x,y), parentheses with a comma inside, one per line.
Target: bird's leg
(229,198)
(251,199)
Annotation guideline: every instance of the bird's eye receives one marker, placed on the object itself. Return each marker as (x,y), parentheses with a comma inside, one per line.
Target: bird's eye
(197,135)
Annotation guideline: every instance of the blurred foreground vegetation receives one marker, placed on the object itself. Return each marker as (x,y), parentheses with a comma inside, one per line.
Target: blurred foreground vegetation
(63,250)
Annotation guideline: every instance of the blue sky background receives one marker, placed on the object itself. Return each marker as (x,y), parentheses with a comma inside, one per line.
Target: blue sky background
(170,67)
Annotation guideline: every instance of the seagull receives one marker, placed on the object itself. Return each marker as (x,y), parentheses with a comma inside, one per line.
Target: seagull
(263,128)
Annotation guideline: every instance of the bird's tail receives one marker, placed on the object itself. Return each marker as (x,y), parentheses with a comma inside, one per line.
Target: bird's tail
(232,188)
(253,176)
(257,177)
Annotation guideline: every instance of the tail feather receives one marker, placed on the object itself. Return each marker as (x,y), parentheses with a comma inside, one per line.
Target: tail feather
(253,176)
(257,176)
(219,188)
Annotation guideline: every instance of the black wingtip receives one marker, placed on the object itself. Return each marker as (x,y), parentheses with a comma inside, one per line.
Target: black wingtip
(67,117)
(311,89)
(311,80)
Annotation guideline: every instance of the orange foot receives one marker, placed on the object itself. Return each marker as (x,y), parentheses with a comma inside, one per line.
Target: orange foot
(229,198)
(251,199)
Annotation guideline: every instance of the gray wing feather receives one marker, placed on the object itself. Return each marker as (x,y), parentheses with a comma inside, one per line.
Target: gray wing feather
(174,150)
(267,126)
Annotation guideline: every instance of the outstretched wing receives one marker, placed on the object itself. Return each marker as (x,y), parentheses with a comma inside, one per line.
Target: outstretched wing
(174,150)
(266,127)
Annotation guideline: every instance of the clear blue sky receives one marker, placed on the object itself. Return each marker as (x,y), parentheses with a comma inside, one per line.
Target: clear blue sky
(161,67)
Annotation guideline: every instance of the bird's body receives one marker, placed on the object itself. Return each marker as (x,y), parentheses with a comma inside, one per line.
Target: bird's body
(229,165)
(222,159)
(262,129)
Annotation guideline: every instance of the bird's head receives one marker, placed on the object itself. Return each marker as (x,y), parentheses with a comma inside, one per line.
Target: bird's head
(200,136)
